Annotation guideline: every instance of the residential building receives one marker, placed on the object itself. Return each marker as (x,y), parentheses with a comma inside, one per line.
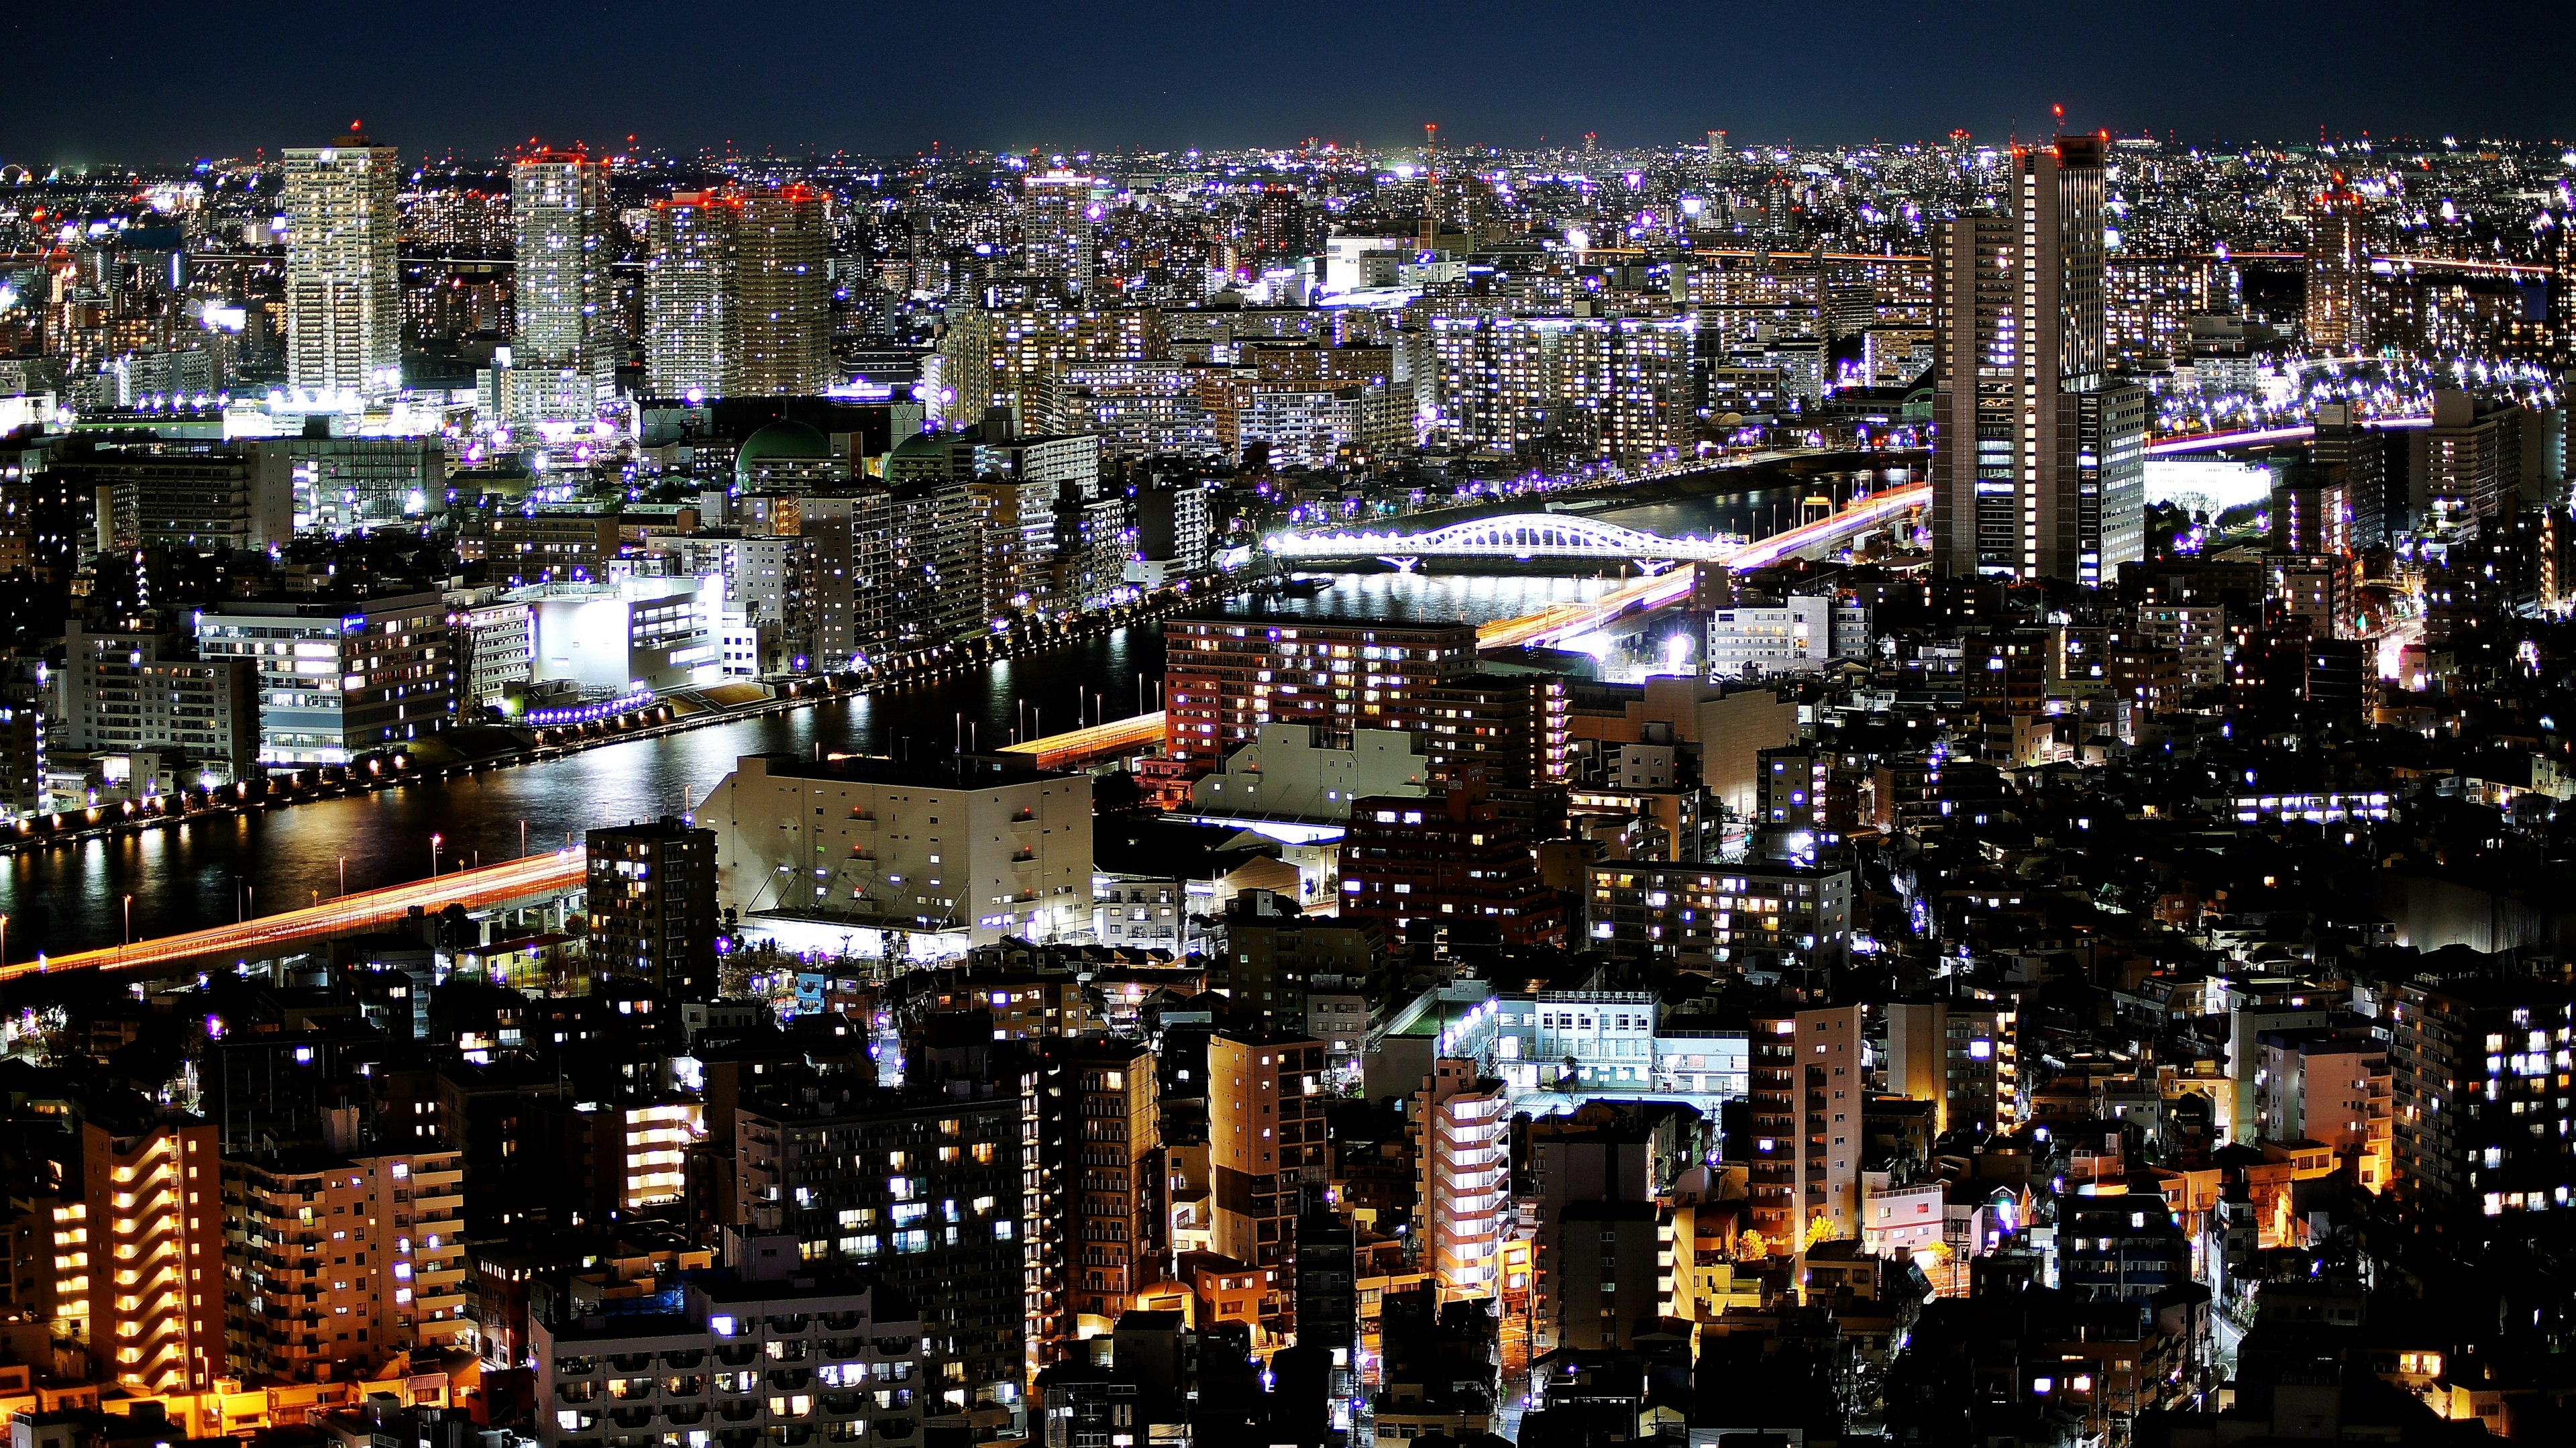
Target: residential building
(1764,915)
(2482,1120)
(1274,950)
(2331,1085)
(559,200)
(1453,861)
(140,1255)
(1102,1166)
(332,1258)
(1809,1087)
(2039,453)
(1228,675)
(1464,1122)
(782,296)
(1961,1056)
(860,1372)
(343,303)
(870,1177)
(652,906)
(692,315)
(133,683)
(1798,635)
(1265,1142)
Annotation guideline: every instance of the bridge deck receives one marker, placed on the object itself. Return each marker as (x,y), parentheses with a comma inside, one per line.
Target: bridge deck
(269,936)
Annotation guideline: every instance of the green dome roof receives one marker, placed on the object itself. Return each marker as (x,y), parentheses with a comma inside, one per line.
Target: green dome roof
(919,445)
(780,442)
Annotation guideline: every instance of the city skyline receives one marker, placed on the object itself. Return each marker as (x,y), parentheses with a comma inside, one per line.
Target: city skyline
(1663,786)
(1502,76)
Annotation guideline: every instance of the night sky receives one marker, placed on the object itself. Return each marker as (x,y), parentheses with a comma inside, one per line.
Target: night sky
(145,80)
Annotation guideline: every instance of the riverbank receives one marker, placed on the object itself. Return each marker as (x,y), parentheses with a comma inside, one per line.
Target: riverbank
(475,748)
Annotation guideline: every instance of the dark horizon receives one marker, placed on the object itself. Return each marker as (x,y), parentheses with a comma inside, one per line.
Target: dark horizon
(890,81)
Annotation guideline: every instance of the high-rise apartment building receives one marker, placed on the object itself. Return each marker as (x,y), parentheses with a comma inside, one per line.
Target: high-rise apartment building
(653,905)
(1962,1057)
(132,683)
(1228,675)
(1101,1168)
(2039,463)
(1056,228)
(1805,1107)
(1458,861)
(1265,1140)
(343,297)
(1465,1160)
(934,1191)
(559,200)
(332,1258)
(2338,312)
(783,298)
(692,330)
(144,1256)
(2479,1071)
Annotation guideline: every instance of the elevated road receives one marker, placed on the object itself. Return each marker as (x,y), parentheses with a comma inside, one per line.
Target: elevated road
(2199,442)
(1565,621)
(1510,535)
(293,931)
(1080,748)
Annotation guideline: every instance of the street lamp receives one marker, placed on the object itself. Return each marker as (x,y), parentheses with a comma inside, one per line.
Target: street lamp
(129,920)
(434,842)
(344,874)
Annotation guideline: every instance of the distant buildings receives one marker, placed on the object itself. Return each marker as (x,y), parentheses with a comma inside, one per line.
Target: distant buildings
(2039,465)
(736,301)
(559,200)
(343,317)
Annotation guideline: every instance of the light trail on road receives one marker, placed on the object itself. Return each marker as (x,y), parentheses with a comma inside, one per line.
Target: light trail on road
(535,875)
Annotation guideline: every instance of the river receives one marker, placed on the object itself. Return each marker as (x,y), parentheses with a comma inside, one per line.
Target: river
(212,871)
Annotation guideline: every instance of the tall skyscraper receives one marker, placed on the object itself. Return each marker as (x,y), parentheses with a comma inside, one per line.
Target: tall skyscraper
(558,200)
(782,295)
(692,331)
(1056,229)
(2338,315)
(343,302)
(2039,464)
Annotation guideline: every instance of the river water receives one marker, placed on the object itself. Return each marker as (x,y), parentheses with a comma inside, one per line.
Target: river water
(211,871)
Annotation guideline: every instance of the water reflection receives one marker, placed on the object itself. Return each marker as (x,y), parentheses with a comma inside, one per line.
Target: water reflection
(212,871)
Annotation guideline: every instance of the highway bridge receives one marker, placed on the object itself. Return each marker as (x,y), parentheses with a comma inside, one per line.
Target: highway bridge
(293,932)
(2199,442)
(1508,536)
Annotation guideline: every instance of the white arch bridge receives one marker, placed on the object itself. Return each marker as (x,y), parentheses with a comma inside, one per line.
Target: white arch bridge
(1512,535)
